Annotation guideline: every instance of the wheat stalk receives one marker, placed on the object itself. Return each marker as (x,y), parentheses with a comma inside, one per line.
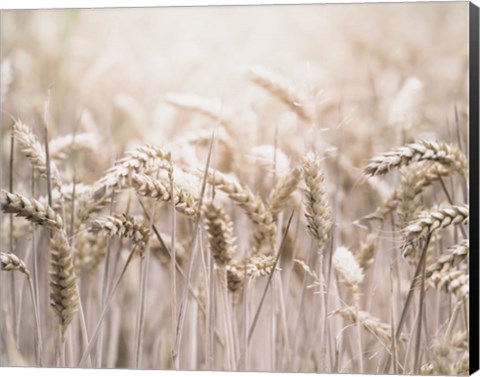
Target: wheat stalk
(421,150)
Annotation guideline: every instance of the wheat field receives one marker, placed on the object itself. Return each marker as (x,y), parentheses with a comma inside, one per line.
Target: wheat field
(265,188)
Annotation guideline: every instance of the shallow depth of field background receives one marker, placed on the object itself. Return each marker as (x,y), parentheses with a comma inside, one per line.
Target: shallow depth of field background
(107,71)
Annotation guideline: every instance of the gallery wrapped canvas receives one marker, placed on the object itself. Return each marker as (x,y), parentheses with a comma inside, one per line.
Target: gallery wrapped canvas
(241,188)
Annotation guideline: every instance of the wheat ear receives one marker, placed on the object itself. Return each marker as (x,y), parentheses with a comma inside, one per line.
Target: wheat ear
(136,161)
(35,152)
(281,88)
(220,233)
(61,146)
(454,255)
(150,187)
(372,324)
(454,281)
(421,150)
(213,109)
(348,270)
(10,262)
(30,209)
(430,221)
(260,265)
(63,289)
(366,252)
(414,181)
(251,205)
(235,276)
(122,225)
(317,209)
(283,191)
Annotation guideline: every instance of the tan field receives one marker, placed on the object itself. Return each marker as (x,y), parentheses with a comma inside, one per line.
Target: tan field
(262,188)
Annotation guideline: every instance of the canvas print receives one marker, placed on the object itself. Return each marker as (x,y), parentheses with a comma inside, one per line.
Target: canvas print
(236,188)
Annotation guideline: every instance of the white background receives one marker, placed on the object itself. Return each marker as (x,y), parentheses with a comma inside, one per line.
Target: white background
(36,4)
